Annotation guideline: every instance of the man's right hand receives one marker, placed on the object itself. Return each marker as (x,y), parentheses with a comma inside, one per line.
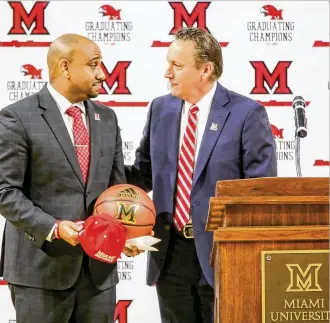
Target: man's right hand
(68,231)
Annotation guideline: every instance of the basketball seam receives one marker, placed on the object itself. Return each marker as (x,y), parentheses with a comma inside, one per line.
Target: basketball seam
(132,225)
(113,200)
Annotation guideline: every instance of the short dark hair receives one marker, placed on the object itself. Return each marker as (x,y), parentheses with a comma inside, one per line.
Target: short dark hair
(207,48)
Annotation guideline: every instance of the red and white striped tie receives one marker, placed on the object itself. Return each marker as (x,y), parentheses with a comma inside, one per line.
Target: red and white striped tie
(186,171)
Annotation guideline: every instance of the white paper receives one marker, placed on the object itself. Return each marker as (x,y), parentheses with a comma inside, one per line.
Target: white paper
(143,243)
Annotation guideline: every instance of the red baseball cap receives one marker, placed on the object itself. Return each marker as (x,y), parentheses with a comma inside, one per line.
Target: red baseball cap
(103,237)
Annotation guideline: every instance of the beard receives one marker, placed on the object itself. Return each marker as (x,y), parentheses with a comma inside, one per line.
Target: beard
(92,95)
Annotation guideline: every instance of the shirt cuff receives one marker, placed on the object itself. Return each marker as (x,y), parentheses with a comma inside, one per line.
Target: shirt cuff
(51,235)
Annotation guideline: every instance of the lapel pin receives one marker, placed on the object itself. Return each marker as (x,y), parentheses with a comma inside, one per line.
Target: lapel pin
(214,126)
(97,116)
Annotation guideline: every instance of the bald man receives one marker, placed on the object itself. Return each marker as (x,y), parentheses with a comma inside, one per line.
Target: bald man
(58,152)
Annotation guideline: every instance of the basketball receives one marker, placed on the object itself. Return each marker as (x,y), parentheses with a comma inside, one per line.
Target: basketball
(131,206)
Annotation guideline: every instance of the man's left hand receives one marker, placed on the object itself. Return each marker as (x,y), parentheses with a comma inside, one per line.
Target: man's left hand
(132,251)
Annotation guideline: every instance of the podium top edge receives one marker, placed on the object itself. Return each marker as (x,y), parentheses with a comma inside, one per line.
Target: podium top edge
(275,186)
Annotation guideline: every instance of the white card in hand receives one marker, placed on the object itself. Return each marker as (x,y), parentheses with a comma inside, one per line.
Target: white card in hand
(143,243)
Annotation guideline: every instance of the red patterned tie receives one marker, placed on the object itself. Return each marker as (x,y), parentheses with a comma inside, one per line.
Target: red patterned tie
(81,140)
(186,171)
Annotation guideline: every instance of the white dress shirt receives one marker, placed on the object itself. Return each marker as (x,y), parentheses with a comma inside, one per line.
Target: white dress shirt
(204,106)
(63,104)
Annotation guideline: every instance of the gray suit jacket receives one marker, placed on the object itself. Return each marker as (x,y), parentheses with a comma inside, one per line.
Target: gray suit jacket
(41,181)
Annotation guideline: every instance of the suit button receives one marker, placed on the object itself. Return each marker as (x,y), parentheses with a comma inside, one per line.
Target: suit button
(167,227)
(87,194)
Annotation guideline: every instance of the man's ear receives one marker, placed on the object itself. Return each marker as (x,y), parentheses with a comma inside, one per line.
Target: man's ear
(64,65)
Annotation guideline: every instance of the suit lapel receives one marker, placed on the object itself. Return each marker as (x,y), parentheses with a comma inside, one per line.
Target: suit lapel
(171,122)
(214,125)
(94,133)
(55,122)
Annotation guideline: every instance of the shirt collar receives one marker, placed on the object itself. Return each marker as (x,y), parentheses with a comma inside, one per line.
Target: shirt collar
(204,103)
(62,102)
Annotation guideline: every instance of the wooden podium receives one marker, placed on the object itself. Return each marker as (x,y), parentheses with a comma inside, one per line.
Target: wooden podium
(250,216)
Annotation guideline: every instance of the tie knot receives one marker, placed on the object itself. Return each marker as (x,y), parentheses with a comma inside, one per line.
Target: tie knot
(74,111)
(193,109)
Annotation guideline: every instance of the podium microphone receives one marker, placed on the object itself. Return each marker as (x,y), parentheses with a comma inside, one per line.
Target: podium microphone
(299,105)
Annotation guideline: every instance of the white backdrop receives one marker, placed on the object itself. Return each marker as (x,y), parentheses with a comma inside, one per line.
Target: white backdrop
(134,37)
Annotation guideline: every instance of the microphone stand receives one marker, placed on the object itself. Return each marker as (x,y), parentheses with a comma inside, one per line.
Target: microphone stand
(297,154)
(299,105)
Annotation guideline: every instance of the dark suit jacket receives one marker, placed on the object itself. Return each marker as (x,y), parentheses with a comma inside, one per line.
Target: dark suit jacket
(41,181)
(242,146)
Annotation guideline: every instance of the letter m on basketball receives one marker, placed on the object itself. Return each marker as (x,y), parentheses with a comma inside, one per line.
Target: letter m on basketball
(304,280)
(126,214)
